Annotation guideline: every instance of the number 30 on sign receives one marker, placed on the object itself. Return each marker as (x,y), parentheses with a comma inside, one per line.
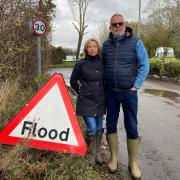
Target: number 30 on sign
(39,27)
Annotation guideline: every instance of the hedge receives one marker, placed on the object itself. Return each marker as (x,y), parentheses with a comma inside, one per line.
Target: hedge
(168,67)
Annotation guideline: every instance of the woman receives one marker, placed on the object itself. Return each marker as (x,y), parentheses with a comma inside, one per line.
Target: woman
(87,80)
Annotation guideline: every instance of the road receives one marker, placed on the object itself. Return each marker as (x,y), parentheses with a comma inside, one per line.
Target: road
(159,128)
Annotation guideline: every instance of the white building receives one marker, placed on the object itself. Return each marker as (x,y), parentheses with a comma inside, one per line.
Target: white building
(161,50)
(70,58)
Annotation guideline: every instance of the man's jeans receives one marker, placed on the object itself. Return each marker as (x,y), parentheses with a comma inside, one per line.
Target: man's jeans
(93,124)
(129,102)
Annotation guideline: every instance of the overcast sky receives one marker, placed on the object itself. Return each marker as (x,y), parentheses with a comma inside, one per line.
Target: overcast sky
(99,11)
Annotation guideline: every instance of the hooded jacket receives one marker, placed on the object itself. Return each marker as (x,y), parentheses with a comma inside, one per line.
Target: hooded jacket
(87,80)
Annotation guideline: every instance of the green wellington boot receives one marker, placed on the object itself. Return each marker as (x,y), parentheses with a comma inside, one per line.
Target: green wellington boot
(132,147)
(91,142)
(98,145)
(113,147)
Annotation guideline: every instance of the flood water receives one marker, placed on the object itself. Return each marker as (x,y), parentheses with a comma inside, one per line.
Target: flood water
(164,93)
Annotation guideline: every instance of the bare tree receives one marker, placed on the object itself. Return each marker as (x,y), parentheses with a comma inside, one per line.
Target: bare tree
(164,16)
(103,32)
(79,9)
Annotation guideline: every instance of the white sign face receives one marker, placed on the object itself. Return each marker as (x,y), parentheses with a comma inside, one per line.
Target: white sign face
(48,121)
(39,27)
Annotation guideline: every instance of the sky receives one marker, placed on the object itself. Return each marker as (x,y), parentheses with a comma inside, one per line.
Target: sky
(98,12)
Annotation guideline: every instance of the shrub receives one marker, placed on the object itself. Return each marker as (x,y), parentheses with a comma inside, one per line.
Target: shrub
(17,43)
(155,66)
(169,67)
(172,69)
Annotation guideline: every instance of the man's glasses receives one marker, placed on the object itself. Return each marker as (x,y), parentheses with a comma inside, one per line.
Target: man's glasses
(118,23)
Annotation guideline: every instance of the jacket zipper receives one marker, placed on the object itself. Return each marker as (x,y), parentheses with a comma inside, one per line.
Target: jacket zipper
(115,73)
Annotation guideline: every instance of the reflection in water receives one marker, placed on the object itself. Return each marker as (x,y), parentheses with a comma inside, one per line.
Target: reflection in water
(168,94)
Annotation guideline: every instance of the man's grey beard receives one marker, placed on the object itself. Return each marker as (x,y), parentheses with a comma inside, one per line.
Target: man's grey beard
(118,33)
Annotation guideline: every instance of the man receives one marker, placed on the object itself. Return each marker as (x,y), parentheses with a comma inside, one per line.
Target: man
(126,67)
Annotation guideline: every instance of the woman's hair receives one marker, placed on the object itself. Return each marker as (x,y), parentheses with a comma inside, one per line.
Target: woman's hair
(87,43)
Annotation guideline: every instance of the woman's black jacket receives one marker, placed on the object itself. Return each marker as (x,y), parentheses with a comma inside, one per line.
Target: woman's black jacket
(87,80)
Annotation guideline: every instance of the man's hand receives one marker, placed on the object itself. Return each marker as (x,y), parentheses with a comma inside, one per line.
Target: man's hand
(133,89)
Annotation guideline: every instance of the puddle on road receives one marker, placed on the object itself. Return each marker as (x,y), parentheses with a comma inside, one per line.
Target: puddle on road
(162,93)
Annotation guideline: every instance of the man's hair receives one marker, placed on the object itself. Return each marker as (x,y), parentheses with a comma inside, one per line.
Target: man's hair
(116,14)
(87,44)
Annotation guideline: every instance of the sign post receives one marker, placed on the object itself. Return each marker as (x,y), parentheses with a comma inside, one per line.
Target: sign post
(39,28)
(139,18)
(38,62)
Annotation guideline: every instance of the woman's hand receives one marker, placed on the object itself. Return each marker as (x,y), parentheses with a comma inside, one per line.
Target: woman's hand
(79,84)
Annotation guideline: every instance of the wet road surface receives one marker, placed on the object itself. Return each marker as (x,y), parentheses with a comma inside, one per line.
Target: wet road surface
(66,72)
(159,127)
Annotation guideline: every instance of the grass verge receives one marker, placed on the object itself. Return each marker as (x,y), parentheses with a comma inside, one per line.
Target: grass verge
(22,162)
(64,64)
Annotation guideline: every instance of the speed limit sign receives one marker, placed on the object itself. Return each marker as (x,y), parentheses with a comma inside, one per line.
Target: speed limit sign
(39,27)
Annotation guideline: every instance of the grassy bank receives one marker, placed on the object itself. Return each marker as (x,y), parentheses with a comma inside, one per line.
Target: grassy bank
(64,64)
(22,162)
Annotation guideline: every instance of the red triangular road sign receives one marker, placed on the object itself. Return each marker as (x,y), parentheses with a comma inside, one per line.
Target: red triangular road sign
(48,121)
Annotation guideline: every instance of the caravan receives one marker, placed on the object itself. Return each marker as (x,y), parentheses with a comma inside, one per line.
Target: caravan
(160,52)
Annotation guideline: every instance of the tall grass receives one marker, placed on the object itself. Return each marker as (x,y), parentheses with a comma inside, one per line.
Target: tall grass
(12,99)
(22,162)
